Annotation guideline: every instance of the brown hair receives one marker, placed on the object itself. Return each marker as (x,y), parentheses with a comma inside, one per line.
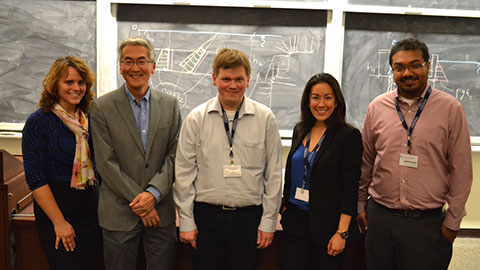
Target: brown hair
(231,58)
(58,70)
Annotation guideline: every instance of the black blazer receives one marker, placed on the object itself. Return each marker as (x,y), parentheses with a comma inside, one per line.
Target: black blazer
(334,181)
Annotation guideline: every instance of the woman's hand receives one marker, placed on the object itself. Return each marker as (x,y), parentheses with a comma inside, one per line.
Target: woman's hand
(336,245)
(65,233)
(63,230)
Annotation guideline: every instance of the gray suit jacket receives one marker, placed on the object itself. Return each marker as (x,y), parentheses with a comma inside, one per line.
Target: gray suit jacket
(125,168)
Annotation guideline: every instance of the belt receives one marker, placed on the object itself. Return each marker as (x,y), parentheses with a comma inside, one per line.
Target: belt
(413,212)
(225,207)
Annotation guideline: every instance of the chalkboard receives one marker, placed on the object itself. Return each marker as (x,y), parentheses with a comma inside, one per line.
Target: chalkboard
(299,0)
(441,4)
(32,35)
(455,59)
(285,48)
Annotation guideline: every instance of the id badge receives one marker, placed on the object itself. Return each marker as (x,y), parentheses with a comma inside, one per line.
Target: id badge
(409,161)
(301,194)
(232,170)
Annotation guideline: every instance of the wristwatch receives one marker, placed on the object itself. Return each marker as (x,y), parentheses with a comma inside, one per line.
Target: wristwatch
(343,233)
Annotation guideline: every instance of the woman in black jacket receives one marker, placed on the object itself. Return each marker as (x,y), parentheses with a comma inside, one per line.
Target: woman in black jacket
(321,180)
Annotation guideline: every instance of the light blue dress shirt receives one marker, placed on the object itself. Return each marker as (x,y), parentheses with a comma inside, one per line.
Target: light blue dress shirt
(141,112)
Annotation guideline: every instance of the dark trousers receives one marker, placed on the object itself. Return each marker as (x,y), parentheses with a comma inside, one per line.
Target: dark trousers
(86,254)
(121,248)
(396,242)
(79,208)
(227,239)
(300,250)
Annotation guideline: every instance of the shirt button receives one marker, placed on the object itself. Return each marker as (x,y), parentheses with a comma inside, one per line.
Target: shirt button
(409,111)
(143,131)
(143,113)
(403,197)
(403,180)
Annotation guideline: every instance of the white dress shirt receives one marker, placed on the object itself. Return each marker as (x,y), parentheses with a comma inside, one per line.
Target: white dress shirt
(203,150)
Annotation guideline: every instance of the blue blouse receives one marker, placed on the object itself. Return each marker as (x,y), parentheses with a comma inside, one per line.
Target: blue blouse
(48,147)
(297,173)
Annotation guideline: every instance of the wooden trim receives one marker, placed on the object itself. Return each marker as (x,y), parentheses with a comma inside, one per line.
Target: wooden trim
(469,233)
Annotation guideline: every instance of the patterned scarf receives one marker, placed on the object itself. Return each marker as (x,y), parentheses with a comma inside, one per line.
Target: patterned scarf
(82,173)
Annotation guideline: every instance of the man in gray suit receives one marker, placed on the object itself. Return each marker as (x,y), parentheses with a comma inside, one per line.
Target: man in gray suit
(135,130)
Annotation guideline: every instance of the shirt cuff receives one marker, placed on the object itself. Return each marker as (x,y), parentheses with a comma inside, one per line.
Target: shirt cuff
(187,224)
(361,206)
(267,224)
(451,222)
(155,193)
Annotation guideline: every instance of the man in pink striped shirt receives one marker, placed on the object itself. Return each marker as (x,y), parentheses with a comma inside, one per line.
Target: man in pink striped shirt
(417,159)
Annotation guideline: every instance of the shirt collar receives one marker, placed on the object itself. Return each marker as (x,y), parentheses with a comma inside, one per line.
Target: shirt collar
(247,106)
(132,99)
(399,98)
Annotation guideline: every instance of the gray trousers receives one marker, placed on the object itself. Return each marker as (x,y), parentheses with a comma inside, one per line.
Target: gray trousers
(121,248)
(396,242)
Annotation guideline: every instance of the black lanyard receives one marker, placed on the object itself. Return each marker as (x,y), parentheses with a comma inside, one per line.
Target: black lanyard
(227,128)
(414,122)
(308,158)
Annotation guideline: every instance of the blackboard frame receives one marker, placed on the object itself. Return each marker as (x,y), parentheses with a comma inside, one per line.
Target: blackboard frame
(288,41)
(336,11)
(34,34)
(452,41)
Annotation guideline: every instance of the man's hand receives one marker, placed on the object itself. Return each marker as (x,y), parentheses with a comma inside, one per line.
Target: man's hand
(450,235)
(142,204)
(362,222)
(264,239)
(151,219)
(189,238)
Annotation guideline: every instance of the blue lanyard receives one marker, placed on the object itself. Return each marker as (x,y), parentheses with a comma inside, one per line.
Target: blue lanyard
(308,158)
(227,128)
(414,122)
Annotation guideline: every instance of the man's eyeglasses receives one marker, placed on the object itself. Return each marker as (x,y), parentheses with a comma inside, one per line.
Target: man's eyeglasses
(140,62)
(412,67)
